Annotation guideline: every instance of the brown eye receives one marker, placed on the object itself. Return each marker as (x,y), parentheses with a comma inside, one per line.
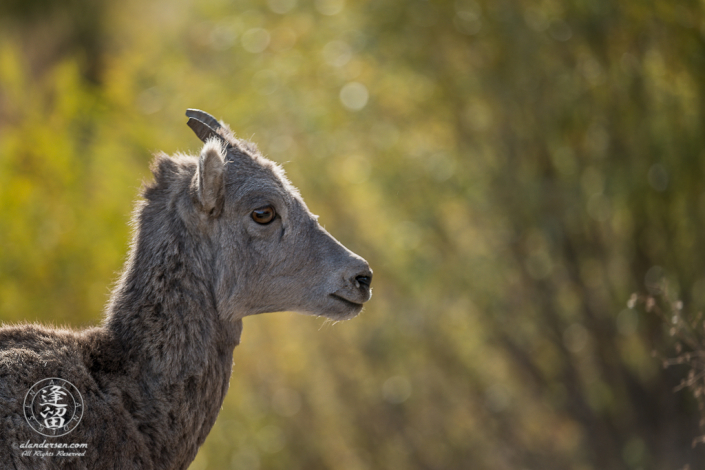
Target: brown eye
(263,215)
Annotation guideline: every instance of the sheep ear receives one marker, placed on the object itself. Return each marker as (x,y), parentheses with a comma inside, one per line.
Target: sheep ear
(210,188)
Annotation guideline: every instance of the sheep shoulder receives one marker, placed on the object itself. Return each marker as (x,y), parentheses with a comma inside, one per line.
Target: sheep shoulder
(30,353)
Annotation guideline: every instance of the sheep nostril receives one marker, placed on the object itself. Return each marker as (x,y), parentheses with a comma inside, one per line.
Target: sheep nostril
(364,280)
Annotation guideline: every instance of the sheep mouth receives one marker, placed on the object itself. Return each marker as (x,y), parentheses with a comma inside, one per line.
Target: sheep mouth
(346,301)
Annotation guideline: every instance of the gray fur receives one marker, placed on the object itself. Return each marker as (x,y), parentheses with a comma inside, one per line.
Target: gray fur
(154,375)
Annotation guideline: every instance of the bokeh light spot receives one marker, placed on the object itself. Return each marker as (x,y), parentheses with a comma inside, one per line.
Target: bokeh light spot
(281,6)
(467,22)
(329,7)
(245,459)
(271,439)
(599,207)
(497,398)
(265,82)
(150,100)
(407,235)
(281,143)
(337,53)
(658,177)
(354,96)
(396,390)
(576,337)
(536,19)
(223,37)
(255,40)
(440,166)
(560,30)
(654,279)
(539,265)
(286,402)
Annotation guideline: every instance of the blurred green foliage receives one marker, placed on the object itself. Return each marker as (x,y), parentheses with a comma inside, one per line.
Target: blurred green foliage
(513,171)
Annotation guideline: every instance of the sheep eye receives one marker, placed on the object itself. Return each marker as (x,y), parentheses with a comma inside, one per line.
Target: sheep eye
(264,215)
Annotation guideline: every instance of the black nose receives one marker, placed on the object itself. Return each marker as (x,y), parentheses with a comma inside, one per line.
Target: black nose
(364,280)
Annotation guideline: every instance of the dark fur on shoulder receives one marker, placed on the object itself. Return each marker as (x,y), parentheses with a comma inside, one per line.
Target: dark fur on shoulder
(154,375)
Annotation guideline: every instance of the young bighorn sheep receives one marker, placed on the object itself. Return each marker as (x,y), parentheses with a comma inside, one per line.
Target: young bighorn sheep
(217,237)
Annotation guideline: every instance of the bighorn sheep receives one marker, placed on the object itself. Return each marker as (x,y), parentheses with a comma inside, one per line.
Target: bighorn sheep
(216,238)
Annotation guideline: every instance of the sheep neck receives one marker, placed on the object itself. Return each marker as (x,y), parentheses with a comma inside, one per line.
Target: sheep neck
(177,351)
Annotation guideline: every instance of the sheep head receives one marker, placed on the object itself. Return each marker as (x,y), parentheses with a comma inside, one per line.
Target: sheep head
(269,251)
